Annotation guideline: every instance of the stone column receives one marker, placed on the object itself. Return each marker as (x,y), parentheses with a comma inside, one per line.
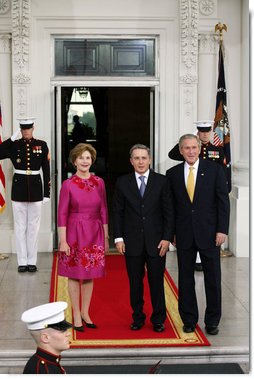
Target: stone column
(6,224)
(188,66)
(207,69)
(20,58)
(240,204)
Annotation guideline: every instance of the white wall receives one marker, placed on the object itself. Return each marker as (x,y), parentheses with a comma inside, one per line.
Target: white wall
(134,17)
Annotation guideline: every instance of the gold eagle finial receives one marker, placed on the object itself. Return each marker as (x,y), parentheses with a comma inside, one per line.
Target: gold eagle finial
(220,27)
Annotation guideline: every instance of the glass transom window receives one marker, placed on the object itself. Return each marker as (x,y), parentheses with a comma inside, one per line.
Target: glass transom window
(91,57)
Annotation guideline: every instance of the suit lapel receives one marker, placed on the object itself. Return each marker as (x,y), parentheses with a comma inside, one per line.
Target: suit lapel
(133,185)
(200,178)
(149,184)
(181,187)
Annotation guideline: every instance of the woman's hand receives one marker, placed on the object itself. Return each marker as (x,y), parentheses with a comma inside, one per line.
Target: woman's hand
(64,247)
(106,244)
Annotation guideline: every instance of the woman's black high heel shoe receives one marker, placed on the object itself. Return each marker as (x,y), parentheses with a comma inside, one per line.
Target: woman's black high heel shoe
(89,324)
(79,328)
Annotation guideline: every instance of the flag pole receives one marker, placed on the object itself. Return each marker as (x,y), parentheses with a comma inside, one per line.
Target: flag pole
(220,28)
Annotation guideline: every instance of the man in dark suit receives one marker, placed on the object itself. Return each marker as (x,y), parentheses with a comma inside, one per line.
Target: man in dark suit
(207,151)
(142,231)
(201,206)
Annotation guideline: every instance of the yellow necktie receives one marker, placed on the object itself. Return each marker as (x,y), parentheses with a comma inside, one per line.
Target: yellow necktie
(190,184)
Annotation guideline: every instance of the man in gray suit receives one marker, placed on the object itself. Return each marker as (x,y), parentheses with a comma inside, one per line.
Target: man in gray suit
(142,230)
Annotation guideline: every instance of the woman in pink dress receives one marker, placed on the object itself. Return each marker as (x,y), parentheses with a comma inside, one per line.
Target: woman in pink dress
(83,232)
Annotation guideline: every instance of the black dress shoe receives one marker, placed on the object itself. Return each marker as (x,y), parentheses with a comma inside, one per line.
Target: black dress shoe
(198,267)
(213,330)
(32,268)
(158,327)
(22,268)
(136,326)
(79,328)
(188,328)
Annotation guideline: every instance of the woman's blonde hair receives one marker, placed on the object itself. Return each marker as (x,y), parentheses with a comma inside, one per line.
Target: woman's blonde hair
(79,149)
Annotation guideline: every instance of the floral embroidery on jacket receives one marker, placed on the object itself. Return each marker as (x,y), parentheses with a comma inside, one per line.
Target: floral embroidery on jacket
(87,184)
(88,257)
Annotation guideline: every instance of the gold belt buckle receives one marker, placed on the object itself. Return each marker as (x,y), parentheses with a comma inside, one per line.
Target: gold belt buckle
(28,172)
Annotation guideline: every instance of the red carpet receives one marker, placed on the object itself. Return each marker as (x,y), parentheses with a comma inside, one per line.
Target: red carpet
(111,311)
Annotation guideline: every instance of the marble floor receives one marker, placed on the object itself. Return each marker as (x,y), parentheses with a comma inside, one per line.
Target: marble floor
(19,292)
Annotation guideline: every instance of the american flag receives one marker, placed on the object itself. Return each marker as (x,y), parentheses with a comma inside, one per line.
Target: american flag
(2,177)
(221,125)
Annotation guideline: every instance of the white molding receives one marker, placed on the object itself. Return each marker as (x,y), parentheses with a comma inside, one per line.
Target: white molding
(208,43)
(5,43)
(189,32)
(21,31)
(5,6)
(207,7)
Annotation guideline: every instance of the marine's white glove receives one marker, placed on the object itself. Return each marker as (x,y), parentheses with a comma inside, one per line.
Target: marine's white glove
(45,200)
(15,135)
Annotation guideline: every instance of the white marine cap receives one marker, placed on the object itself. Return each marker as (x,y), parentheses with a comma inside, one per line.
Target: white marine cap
(26,122)
(50,315)
(204,125)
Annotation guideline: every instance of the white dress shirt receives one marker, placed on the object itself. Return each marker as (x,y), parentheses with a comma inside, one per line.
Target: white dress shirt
(187,170)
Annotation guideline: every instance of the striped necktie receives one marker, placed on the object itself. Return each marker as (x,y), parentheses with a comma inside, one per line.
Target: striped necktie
(143,185)
(191,184)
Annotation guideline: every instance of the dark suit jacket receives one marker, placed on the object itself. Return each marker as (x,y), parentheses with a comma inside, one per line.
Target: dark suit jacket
(209,212)
(146,220)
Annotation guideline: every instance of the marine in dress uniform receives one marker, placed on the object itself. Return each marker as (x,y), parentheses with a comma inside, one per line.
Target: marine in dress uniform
(28,156)
(208,152)
(50,331)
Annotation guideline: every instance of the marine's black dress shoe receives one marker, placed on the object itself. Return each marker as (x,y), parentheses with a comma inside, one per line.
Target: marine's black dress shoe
(213,330)
(22,268)
(198,267)
(137,326)
(159,327)
(32,268)
(188,328)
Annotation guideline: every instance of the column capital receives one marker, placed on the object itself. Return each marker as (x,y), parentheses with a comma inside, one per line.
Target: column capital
(208,43)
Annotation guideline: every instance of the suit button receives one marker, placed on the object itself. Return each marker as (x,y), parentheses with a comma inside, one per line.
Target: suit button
(142,206)
(193,210)
(143,218)
(142,230)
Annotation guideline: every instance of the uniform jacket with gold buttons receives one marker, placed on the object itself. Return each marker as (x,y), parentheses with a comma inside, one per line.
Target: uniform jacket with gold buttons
(28,155)
(43,362)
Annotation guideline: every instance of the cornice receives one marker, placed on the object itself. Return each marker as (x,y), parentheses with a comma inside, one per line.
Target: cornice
(21,31)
